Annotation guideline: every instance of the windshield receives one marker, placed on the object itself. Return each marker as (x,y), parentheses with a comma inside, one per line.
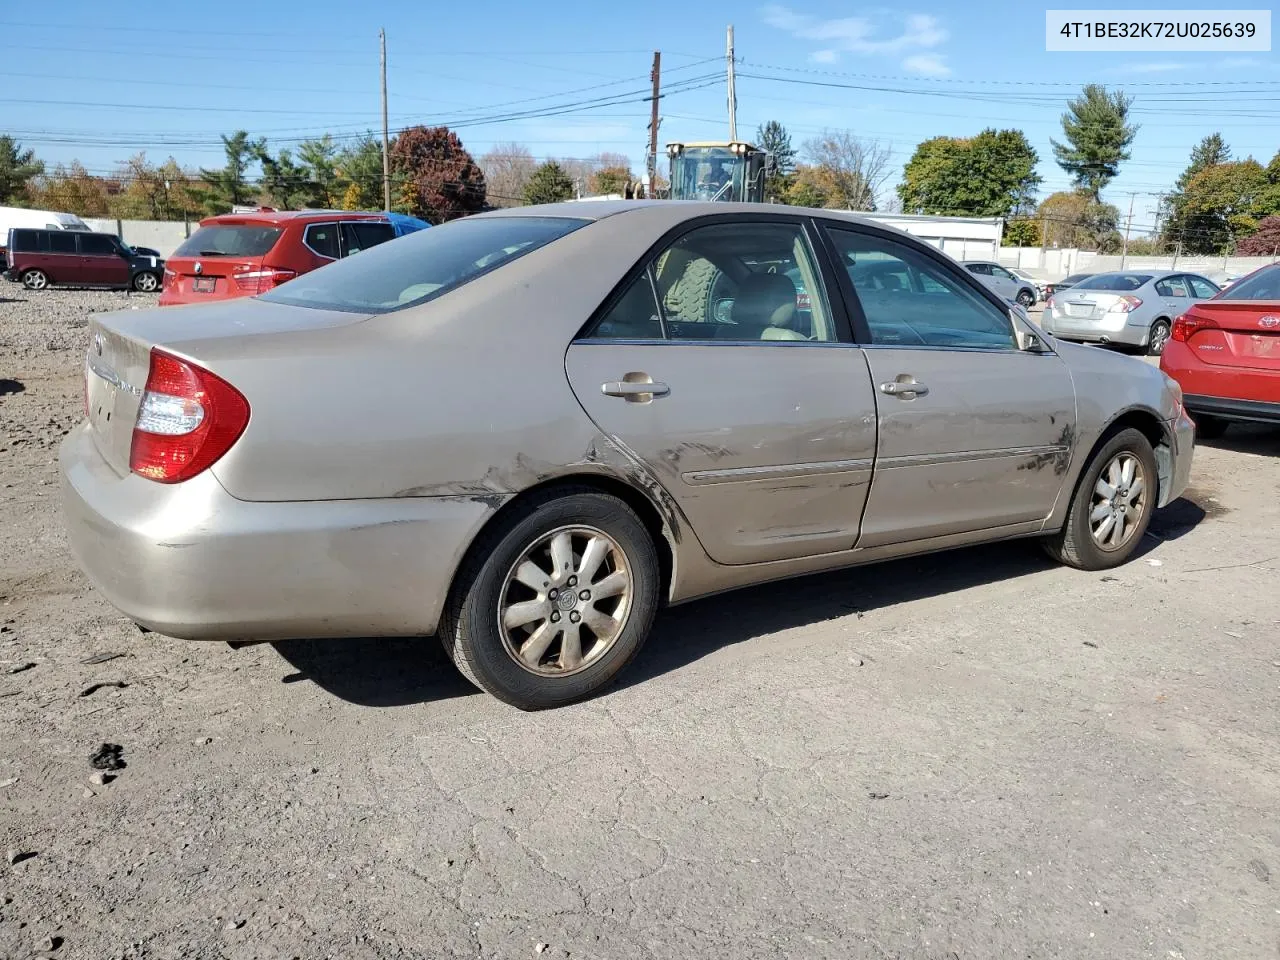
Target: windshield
(707,173)
(421,265)
(1114,281)
(229,240)
(1263,285)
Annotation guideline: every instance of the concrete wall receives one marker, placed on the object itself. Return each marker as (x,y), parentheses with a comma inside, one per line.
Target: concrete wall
(1056,264)
(965,238)
(162,235)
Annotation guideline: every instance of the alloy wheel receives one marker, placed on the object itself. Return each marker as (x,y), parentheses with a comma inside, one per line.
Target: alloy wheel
(1119,500)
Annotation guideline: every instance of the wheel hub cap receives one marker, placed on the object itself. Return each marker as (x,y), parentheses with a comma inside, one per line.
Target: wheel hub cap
(1119,502)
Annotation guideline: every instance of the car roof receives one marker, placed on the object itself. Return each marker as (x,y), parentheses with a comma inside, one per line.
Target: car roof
(675,212)
(292,216)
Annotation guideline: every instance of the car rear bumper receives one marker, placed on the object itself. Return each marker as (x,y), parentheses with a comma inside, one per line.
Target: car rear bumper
(1227,408)
(1132,335)
(191,561)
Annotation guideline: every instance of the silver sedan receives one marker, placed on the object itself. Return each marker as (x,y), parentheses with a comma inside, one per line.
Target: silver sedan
(526,431)
(1134,309)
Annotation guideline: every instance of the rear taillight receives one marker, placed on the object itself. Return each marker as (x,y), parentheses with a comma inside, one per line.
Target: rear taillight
(1187,326)
(260,281)
(169,278)
(1126,304)
(1048,304)
(188,419)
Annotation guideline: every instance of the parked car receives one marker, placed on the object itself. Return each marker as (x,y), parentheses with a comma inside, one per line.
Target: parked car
(145,251)
(1036,284)
(18,218)
(1013,289)
(1134,309)
(1069,281)
(1225,353)
(73,258)
(527,429)
(245,254)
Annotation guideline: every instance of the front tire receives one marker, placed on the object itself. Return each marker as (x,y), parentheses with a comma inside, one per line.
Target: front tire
(1112,505)
(1027,299)
(35,280)
(1158,337)
(146,283)
(554,602)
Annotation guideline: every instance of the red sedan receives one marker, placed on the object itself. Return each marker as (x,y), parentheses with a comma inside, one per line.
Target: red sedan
(1225,353)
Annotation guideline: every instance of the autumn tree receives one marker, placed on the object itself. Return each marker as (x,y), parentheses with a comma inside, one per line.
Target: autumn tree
(1021,233)
(548,184)
(1264,242)
(611,179)
(441,181)
(71,189)
(358,170)
(1098,134)
(507,169)
(18,167)
(990,175)
(1075,219)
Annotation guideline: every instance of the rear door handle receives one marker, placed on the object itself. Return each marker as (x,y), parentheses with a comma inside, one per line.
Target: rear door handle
(635,390)
(905,387)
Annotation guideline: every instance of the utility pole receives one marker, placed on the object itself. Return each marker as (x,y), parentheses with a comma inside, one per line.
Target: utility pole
(1124,252)
(656,76)
(1177,252)
(386,138)
(733,97)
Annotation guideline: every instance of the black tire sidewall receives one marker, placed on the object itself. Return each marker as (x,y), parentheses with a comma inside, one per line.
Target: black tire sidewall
(1092,556)
(1151,337)
(1027,300)
(482,643)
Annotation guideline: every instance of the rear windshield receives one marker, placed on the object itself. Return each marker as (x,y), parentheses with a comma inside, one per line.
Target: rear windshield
(229,240)
(1114,281)
(1076,278)
(1263,285)
(421,265)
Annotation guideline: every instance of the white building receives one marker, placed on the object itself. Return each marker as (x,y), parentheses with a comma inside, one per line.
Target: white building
(965,238)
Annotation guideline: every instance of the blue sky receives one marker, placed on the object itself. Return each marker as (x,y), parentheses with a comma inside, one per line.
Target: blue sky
(287,70)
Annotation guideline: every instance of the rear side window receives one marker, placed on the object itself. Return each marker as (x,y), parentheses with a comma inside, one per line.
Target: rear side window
(322,239)
(1114,281)
(1263,285)
(28,241)
(61,241)
(422,265)
(362,236)
(229,240)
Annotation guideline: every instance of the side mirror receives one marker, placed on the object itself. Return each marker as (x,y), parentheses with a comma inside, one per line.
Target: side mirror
(1029,342)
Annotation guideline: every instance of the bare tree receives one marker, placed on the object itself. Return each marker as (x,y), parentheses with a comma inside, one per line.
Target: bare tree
(579,171)
(853,169)
(507,169)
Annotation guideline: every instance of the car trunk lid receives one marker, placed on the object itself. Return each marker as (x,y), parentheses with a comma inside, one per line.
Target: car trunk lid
(119,355)
(1086,305)
(1230,333)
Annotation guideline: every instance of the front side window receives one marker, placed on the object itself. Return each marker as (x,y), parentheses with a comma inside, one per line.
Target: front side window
(909,299)
(1002,272)
(97,245)
(422,265)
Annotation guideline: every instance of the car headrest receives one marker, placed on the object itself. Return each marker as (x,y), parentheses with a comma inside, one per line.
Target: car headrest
(765,300)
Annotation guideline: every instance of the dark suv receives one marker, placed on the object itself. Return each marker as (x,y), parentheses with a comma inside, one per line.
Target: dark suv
(72,258)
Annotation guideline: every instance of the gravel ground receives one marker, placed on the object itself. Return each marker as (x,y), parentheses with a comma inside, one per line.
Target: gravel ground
(972,755)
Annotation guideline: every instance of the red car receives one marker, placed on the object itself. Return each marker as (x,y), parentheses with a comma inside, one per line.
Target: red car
(1225,353)
(244,254)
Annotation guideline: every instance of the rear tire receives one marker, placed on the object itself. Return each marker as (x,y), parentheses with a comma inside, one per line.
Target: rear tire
(35,280)
(525,592)
(1083,541)
(1210,428)
(1158,337)
(146,282)
(1027,299)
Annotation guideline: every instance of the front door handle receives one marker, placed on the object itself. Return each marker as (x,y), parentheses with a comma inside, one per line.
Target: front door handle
(635,388)
(905,387)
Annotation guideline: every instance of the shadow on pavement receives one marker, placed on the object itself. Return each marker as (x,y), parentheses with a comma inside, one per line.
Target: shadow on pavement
(1260,438)
(11,386)
(394,672)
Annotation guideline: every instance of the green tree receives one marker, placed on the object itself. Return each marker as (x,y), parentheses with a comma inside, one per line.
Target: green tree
(1222,204)
(548,184)
(1075,219)
(990,175)
(286,185)
(230,186)
(1178,222)
(319,158)
(441,181)
(18,168)
(1021,233)
(359,175)
(610,180)
(1098,133)
(773,139)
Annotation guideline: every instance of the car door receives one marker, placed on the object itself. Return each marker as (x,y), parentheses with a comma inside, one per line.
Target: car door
(101,262)
(974,433)
(61,259)
(1175,294)
(746,403)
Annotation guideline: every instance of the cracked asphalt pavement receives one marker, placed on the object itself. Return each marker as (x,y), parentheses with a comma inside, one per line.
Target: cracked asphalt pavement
(971,755)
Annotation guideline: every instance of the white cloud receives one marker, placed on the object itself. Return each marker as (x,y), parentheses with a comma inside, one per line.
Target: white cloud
(918,31)
(1153,68)
(824,56)
(927,65)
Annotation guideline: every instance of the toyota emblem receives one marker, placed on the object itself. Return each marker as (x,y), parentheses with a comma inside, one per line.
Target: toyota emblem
(1269,322)
(199,267)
